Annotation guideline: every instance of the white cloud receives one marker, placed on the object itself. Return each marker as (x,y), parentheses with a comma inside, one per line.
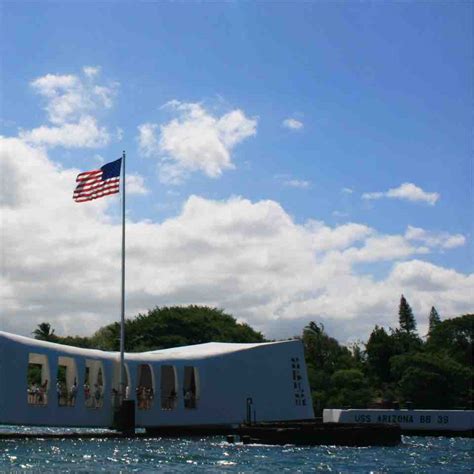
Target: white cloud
(443,240)
(235,127)
(426,278)
(147,140)
(347,190)
(69,97)
(71,103)
(292,124)
(85,133)
(297,183)
(91,71)
(326,238)
(250,258)
(287,180)
(383,248)
(51,84)
(407,192)
(136,184)
(195,141)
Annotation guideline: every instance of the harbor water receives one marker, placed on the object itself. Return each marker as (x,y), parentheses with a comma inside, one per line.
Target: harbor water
(214,454)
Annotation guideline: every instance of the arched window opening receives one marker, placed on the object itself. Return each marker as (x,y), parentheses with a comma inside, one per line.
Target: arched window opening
(66,382)
(190,387)
(116,390)
(38,378)
(94,384)
(145,392)
(169,387)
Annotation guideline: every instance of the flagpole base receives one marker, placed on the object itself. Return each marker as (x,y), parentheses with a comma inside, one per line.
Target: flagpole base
(124,417)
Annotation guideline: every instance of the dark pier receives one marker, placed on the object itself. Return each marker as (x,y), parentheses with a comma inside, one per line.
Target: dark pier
(305,433)
(324,434)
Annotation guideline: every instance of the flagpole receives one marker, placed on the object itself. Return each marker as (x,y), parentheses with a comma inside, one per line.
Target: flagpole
(122,313)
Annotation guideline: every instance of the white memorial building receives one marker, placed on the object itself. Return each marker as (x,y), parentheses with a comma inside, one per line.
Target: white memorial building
(43,383)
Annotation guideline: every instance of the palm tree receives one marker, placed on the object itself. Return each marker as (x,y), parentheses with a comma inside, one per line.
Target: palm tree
(44,332)
(314,328)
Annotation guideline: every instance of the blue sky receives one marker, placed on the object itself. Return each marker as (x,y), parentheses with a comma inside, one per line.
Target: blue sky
(332,103)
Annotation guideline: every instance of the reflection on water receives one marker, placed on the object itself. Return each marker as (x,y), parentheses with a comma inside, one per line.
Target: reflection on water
(416,454)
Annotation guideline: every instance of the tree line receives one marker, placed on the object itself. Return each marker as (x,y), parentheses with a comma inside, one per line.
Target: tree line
(161,328)
(394,366)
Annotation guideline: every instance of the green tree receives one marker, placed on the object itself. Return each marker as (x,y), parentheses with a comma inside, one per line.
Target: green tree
(175,326)
(324,356)
(324,351)
(359,355)
(405,342)
(161,328)
(349,387)
(380,348)
(432,380)
(44,333)
(314,328)
(434,319)
(405,316)
(76,341)
(454,338)
(33,374)
(107,338)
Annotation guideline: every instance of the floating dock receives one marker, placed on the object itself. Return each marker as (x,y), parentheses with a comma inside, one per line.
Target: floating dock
(306,433)
(310,433)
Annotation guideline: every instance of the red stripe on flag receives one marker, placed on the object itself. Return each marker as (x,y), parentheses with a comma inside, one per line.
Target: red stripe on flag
(95,196)
(95,184)
(95,192)
(89,184)
(83,198)
(88,174)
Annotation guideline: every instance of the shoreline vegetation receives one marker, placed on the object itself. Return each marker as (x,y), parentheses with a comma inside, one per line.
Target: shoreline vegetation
(395,367)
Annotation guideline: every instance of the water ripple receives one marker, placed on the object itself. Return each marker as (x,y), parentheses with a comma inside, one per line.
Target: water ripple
(415,454)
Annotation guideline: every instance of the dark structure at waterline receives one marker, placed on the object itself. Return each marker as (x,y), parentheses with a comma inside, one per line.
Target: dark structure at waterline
(298,433)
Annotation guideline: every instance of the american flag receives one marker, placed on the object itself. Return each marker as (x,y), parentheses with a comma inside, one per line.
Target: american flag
(98,183)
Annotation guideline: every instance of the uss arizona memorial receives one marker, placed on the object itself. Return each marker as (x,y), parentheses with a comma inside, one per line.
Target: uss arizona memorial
(204,384)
